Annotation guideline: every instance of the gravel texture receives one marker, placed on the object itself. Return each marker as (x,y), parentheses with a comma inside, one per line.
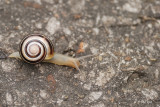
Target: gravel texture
(124,33)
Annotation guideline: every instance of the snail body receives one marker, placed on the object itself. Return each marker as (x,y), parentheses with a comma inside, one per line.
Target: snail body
(60,59)
(37,48)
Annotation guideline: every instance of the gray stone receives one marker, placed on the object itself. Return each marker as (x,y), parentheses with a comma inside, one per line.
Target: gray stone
(133,6)
(9,99)
(53,25)
(44,94)
(93,96)
(150,94)
(98,105)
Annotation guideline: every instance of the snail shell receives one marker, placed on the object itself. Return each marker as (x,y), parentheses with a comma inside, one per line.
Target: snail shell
(35,48)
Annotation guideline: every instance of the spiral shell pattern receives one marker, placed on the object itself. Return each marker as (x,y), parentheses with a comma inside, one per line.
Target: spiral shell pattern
(35,48)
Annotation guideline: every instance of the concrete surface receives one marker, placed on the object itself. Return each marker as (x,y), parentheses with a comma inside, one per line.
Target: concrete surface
(125,33)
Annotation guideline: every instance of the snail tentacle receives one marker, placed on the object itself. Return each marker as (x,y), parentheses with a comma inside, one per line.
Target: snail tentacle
(76,66)
(87,56)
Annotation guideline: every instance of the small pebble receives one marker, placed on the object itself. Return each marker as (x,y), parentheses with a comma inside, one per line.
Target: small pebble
(67,31)
(134,6)
(87,86)
(43,94)
(100,58)
(9,99)
(150,94)
(128,58)
(99,105)
(65,98)
(53,25)
(38,25)
(95,95)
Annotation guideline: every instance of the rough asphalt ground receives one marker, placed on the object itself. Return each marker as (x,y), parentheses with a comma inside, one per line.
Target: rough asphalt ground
(125,33)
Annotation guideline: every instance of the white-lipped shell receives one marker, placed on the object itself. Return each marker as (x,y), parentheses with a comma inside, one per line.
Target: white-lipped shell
(35,48)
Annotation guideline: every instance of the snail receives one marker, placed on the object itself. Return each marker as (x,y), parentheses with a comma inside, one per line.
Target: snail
(36,48)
